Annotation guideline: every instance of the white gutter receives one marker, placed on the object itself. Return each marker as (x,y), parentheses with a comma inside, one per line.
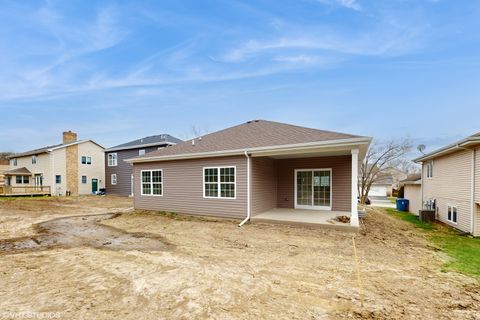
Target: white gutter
(279,148)
(249,165)
(448,149)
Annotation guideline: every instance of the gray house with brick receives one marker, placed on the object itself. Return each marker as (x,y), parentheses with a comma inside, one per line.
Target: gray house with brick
(118,173)
(256,167)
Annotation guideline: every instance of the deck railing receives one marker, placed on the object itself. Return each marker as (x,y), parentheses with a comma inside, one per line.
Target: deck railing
(24,190)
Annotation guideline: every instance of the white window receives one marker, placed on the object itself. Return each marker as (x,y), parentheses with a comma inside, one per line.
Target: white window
(34,159)
(112,159)
(86,160)
(452,214)
(141,152)
(113,179)
(152,182)
(219,182)
(22,179)
(84,179)
(429,169)
(14,162)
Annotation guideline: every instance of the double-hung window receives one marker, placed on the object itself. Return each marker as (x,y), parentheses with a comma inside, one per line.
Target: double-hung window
(84,179)
(34,159)
(452,214)
(58,179)
(219,182)
(112,159)
(22,179)
(152,182)
(86,160)
(14,162)
(430,169)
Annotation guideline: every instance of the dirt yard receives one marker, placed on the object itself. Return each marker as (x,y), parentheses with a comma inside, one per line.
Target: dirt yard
(96,267)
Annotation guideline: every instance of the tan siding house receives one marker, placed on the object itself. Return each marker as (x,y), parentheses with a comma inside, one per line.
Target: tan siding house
(413,192)
(72,167)
(249,169)
(450,177)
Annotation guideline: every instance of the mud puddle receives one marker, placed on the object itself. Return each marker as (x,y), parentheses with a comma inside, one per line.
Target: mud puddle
(70,232)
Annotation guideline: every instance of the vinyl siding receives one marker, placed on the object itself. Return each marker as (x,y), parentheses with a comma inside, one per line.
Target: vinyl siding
(263,184)
(96,170)
(183,188)
(451,185)
(59,159)
(413,192)
(341,180)
(123,171)
(477,192)
(41,167)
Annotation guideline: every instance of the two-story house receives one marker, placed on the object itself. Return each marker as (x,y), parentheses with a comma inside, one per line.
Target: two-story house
(119,173)
(451,183)
(73,167)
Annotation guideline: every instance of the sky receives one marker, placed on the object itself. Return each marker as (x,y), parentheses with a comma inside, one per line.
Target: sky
(115,71)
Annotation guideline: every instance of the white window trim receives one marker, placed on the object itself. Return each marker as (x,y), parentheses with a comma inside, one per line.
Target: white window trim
(313,207)
(34,159)
(140,153)
(456,208)
(219,183)
(59,175)
(111,164)
(112,180)
(429,163)
(151,183)
(86,180)
(14,162)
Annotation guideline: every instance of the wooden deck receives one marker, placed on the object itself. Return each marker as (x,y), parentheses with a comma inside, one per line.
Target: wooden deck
(9,191)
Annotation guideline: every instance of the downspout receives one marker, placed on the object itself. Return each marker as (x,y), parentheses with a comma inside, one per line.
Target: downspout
(249,160)
(473,192)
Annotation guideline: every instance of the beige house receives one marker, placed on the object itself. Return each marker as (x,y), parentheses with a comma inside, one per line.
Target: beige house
(451,181)
(412,188)
(75,167)
(3,167)
(256,170)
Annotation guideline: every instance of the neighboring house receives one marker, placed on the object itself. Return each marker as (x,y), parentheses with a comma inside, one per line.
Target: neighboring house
(118,172)
(451,178)
(252,168)
(387,181)
(76,167)
(412,190)
(3,167)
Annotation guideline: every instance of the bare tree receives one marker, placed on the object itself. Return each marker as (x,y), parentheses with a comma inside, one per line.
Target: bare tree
(379,157)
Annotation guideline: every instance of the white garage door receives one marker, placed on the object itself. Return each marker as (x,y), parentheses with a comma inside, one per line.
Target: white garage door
(378,191)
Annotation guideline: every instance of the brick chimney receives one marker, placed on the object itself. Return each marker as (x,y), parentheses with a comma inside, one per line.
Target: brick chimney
(69,137)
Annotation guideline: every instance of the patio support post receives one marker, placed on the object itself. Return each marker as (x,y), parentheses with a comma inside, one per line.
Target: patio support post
(354,216)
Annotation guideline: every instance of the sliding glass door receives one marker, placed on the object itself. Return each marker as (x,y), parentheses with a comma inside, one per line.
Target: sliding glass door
(313,189)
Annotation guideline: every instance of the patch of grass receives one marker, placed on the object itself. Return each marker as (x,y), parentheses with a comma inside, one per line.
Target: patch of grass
(410,218)
(463,250)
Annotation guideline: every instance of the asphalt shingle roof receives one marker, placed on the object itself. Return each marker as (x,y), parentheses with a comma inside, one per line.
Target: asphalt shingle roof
(252,134)
(151,140)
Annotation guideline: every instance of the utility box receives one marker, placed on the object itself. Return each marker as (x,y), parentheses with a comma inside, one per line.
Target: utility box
(426,215)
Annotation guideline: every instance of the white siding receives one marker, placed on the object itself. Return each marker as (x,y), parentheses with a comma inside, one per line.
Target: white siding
(96,170)
(41,167)
(451,185)
(413,192)
(59,159)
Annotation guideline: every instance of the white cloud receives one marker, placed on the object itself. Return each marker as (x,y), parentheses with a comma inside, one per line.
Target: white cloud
(349,4)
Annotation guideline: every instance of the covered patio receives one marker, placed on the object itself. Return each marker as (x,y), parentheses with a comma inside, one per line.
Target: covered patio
(306,185)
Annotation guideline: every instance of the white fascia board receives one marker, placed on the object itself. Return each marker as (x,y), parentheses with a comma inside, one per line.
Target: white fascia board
(448,149)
